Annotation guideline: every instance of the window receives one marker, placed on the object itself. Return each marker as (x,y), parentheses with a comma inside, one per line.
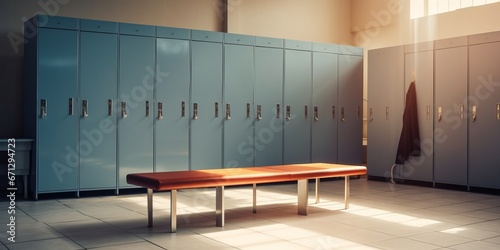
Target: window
(421,8)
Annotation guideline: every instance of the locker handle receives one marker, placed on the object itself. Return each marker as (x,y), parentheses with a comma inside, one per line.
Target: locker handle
(287,113)
(248,110)
(147,108)
(342,114)
(387,113)
(305,112)
(428,112)
(43,108)
(498,111)
(440,113)
(195,111)
(278,110)
(110,107)
(461,111)
(183,111)
(359,112)
(259,112)
(316,117)
(85,108)
(124,110)
(160,110)
(228,111)
(371,114)
(474,113)
(333,112)
(70,106)
(216,109)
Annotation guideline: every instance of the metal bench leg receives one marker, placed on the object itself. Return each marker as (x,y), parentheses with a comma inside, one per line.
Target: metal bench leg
(150,207)
(302,192)
(317,190)
(254,198)
(173,211)
(346,192)
(219,206)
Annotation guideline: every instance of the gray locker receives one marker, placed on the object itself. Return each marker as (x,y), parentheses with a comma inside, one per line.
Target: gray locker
(419,64)
(206,99)
(385,108)
(269,111)
(450,125)
(51,107)
(135,93)
(172,105)
(98,71)
(297,101)
(238,101)
(350,102)
(324,103)
(484,111)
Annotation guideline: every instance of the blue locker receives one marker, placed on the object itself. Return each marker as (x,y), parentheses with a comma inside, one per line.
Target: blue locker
(297,101)
(172,103)
(268,100)
(51,116)
(135,93)
(450,124)
(98,71)
(421,63)
(206,100)
(238,101)
(350,128)
(385,110)
(484,113)
(324,103)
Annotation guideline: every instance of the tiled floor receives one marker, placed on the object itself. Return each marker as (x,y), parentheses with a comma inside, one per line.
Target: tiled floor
(381,216)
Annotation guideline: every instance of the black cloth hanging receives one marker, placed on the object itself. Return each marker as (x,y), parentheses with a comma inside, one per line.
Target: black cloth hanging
(409,141)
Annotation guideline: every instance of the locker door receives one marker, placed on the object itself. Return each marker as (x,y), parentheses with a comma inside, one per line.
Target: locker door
(57,142)
(268,99)
(135,122)
(450,143)
(324,105)
(385,108)
(98,71)
(422,65)
(238,105)
(297,99)
(484,125)
(172,105)
(350,133)
(206,99)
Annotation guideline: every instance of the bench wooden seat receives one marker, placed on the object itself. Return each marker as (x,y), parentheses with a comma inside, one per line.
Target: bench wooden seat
(219,178)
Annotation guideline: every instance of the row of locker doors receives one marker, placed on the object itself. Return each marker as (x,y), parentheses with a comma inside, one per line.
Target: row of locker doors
(458,106)
(124,103)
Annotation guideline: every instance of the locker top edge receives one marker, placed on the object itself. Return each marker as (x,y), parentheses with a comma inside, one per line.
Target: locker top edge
(137,29)
(239,39)
(325,47)
(57,22)
(298,45)
(170,32)
(350,50)
(451,42)
(207,36)
(269,42)
(98,26)
(484,38)
(419,47)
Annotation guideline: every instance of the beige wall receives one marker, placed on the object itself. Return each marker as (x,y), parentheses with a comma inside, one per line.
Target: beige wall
(325,21)
(385,23)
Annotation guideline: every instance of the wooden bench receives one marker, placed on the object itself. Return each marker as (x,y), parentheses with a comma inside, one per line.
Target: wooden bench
(219,178)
